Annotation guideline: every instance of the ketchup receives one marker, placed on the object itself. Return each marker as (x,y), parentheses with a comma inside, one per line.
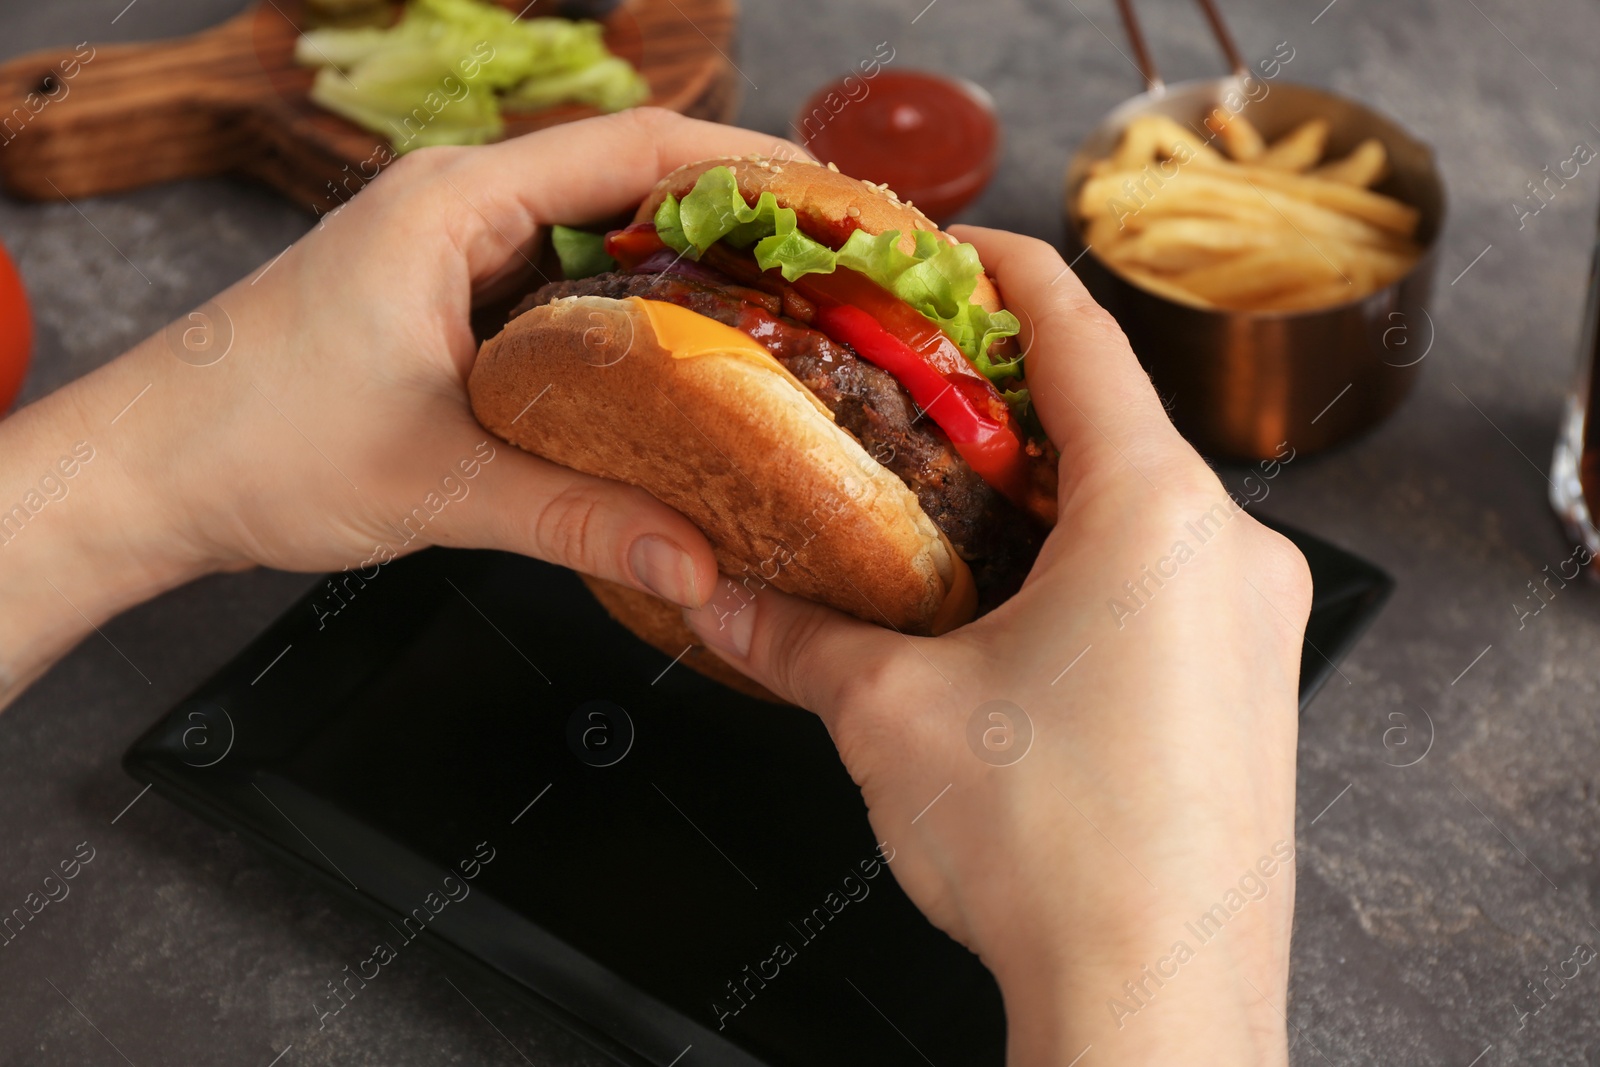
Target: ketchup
(934,140)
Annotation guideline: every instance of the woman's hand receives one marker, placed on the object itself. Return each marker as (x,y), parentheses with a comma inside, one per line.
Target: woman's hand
(1127,873)
(315,417)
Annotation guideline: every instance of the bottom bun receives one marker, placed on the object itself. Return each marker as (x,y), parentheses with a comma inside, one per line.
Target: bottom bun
(660,625)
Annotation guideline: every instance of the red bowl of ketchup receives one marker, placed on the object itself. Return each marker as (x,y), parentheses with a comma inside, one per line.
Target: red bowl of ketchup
(934,140)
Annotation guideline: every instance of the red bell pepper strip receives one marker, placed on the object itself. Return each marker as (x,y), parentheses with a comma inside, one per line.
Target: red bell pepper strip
(990,446)
(933,345)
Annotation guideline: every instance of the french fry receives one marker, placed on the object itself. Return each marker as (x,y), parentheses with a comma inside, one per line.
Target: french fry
(1214,194)
(1239,135)
(1137,146)
(1149,136)
(1365,166)
(1174,244)
(1161,286)
(1382,211)
(1308,297)
(1387,272)
(1298,149)
(1103,233)
(1258,275)
(1374,267)
(1131,200)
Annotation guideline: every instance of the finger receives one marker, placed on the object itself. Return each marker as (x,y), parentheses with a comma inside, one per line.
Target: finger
(805,652)
(528,505)
(583,171)
(1093,397)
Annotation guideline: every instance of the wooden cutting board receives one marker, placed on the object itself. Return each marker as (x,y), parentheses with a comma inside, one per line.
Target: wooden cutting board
(103,118)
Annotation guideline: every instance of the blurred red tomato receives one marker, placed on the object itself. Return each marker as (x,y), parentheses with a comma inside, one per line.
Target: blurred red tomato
(16,332)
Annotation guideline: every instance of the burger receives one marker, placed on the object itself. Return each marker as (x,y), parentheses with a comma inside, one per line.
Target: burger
(808,369)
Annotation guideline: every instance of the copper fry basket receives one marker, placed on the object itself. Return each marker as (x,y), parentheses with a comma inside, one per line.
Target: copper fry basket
(1240,384)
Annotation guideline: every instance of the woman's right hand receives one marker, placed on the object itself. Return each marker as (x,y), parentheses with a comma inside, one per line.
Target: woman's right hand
(1129,878)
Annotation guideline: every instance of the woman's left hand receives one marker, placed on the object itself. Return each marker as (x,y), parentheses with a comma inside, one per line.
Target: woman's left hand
(315,416)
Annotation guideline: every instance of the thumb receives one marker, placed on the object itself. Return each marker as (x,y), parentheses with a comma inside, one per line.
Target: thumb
(607,529)
(806,653)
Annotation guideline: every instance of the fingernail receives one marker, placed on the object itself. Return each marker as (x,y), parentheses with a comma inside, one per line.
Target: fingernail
(727,622)
(664,569)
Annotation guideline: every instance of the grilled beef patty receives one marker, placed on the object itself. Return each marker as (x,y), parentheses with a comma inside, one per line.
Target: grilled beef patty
(996,538)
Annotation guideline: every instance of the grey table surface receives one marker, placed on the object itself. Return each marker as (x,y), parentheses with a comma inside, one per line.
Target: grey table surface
(1429,895)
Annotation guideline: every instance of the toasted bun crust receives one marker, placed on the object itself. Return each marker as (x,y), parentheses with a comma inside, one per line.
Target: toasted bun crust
(828,205)
(732,441)
(661,625)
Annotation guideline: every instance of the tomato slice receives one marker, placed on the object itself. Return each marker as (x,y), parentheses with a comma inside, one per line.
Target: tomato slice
(634,244)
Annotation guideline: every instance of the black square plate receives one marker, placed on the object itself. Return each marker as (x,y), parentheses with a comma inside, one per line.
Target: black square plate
(670,868)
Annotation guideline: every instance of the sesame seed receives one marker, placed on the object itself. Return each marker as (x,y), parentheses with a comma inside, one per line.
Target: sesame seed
(833,167)
(853,211)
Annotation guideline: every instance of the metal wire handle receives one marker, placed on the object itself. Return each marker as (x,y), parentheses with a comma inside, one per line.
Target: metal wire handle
(1141,51)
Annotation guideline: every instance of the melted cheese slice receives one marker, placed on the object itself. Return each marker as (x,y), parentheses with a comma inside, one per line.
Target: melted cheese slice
(688,334)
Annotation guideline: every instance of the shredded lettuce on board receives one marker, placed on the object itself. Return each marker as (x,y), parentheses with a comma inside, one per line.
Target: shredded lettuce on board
(610,85)
(436,75)
(937,278)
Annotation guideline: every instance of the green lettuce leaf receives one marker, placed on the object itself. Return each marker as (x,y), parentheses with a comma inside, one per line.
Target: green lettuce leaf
(610,85)
(522,48)
(669,226)
(936,277)
(436,75)
(1021,402)
(339,48)
(582,254)
(407,96)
